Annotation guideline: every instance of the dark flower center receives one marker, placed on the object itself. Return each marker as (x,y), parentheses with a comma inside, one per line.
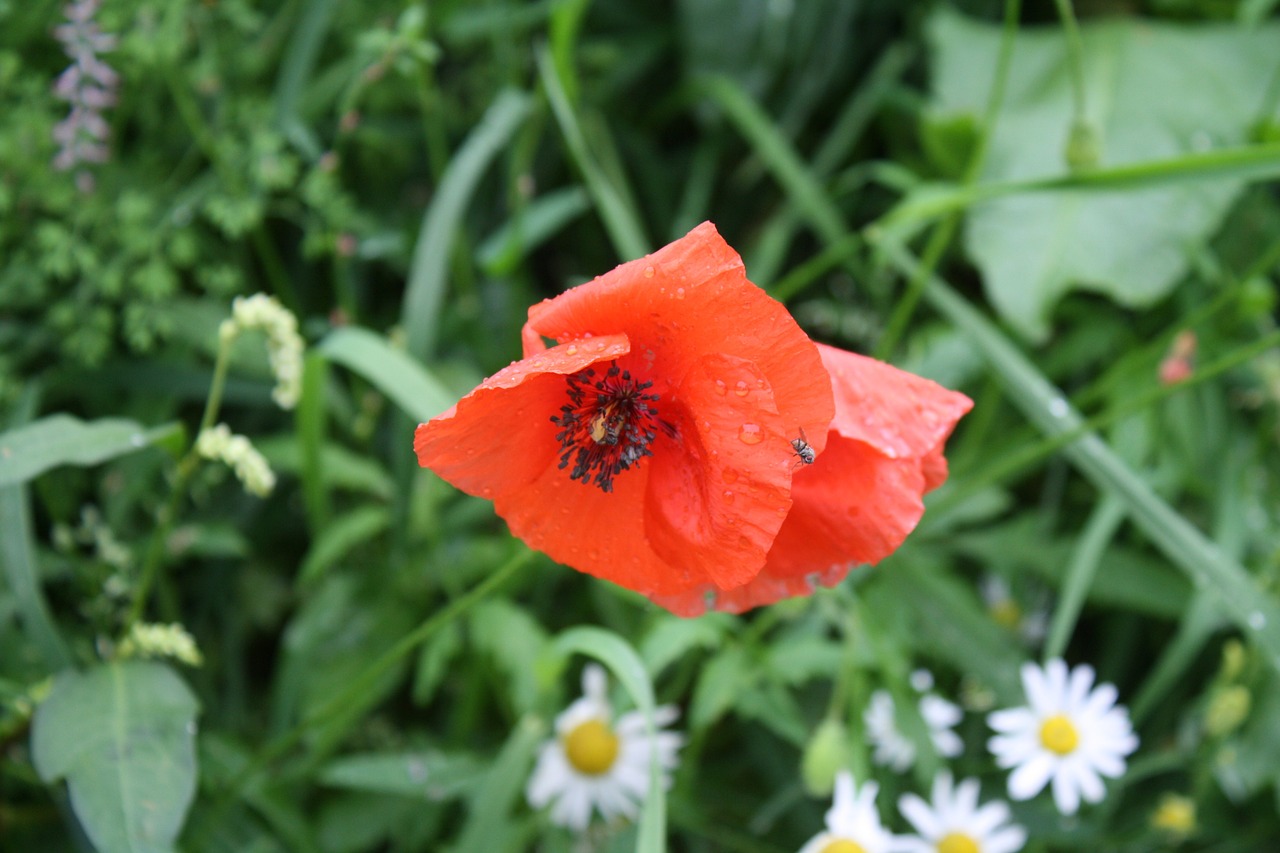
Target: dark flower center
(607,425)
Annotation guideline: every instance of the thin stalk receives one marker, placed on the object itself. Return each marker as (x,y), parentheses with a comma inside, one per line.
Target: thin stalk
(186,468)
(941,236)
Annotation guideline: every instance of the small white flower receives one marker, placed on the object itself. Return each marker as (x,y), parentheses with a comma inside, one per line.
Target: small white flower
(284,344)
(853,824)
(1069,735)
(221,445)
(892,748)
(596,764)
(161,641)
(953,822)
(1030,624)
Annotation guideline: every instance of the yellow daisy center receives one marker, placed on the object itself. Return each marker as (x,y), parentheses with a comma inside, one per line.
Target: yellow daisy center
(591,747)
(1058,734)
(1006,613)
(958,842)
(843,845)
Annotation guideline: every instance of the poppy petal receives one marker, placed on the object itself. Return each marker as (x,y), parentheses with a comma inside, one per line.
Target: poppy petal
(863,494)
(715,508)
(898,413)
(686,301)
(499,437)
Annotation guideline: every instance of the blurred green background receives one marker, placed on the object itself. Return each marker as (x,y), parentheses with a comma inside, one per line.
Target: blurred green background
(1074,220)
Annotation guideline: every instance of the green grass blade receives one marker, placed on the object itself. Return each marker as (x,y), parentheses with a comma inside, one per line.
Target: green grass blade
(310,419)
(623,661)
(18,556)
(782,160)
(406,382)
(529,228)
(620,217)
(1085,560)
(1238,593)
(295,70)
(428,271)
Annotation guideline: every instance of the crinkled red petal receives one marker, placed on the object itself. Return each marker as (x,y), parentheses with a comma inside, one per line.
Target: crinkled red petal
(863,495)
(499,438)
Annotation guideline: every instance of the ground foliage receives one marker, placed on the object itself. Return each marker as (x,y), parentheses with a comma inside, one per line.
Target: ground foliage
(407,178)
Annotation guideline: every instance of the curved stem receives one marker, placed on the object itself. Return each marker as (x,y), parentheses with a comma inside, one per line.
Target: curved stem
(941,236)
(186,468)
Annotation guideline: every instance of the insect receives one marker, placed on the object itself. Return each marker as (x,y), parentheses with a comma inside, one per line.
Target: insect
(802,449)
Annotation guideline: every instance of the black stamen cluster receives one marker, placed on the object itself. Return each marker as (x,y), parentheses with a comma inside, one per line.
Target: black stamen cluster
(608,431)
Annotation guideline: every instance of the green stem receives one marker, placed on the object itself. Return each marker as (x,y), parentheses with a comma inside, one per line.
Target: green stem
(1075,58)
(186,468)
(941,236)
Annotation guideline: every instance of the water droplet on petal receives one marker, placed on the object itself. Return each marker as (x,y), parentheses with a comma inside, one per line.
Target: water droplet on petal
(728,496)
(729,475)
(750,434)
(679,293)
(648,272)
(721,388)
(741,389)
(571,350)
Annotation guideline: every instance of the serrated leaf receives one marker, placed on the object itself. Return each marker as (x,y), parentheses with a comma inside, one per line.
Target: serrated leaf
(29,451)
(123,736)
(1154,91)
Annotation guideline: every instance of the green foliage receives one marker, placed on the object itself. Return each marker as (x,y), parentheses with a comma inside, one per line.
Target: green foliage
(382,661)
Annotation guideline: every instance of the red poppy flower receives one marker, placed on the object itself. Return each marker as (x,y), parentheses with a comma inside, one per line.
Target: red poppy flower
(651,445)
(863,494)
(655,443)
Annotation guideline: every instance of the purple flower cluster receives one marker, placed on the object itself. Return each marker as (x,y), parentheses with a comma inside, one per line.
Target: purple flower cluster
(88,85)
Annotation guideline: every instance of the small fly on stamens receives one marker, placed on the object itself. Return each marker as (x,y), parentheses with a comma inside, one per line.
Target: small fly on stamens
(803,450)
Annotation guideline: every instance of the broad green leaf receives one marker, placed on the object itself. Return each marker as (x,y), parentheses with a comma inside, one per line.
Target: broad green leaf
(123,736)
(671,638)
(29,451)
(489,825)
(392,371)
(1154,91)
(342,468)
(430,775)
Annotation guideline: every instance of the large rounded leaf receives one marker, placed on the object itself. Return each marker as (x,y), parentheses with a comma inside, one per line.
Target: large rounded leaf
(123,736)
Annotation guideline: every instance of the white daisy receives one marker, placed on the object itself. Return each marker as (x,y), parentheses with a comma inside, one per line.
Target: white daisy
(1068,735)
(892,748)
(853,824)
(953,822)
(595,763)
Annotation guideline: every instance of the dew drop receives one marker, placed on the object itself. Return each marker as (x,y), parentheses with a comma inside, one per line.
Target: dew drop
(741,389)
(750,434)
(744,542)
(729,475)
(679,293)
(1257,621)
(648,272)
(486,492)
(571,350)
(728,496)
(721,388)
